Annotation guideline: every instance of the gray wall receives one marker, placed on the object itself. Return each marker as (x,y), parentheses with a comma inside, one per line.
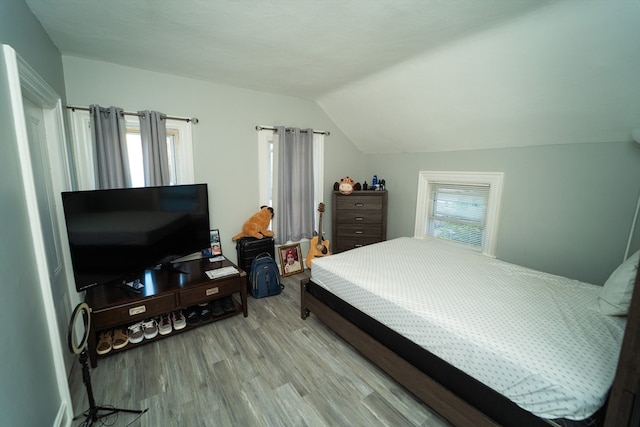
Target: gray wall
(566,209)
(29,392)
(20,29)
(225,140)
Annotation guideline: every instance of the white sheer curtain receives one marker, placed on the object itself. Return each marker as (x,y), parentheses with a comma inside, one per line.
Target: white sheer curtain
(109,138)
(295,202)
(153,136)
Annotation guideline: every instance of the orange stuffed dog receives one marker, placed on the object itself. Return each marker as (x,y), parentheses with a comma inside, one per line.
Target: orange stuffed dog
(257,226)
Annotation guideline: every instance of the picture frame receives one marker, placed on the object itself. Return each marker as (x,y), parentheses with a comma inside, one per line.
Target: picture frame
(290,259)
(215,245)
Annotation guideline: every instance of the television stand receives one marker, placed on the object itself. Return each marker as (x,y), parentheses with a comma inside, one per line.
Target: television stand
(172,267)
(163,292)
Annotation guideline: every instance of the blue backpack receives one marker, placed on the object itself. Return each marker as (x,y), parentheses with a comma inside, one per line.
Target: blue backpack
(264,279)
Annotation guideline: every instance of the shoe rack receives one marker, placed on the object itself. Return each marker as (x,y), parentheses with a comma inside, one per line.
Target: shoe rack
(189,292)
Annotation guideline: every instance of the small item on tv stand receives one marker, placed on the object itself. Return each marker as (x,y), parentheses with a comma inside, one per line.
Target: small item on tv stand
(134,285)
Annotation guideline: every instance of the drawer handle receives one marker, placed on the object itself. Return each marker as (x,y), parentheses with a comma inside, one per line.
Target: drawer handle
(137,310)
(212,291)
(359,232)
(359,218)
(359,205)
(357,245)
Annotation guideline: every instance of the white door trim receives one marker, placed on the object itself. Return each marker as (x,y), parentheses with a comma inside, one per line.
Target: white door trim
(24,81)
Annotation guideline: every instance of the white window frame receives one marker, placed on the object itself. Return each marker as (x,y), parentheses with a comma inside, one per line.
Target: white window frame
(493,179)
(83,148)
(185,173)
(266,163)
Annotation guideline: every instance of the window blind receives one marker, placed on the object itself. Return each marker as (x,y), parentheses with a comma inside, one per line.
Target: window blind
(458,212)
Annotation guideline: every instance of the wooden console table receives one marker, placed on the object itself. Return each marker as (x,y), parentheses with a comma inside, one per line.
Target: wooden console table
(164,291)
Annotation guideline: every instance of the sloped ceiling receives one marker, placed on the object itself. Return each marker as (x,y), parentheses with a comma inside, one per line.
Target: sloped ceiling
(394,75)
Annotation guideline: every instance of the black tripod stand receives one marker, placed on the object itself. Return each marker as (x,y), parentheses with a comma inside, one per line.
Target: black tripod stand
(94,413)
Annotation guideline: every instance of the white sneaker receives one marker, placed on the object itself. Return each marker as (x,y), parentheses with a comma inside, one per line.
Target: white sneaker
(150,328)
(178,319)
(135,333)
(164,325)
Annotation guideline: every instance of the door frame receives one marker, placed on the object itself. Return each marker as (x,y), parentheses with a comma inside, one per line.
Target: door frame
(24,81)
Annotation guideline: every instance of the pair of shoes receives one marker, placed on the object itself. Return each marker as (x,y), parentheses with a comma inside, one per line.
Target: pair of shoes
(228,305)
(135,333)
(193,315)
(205,312)
(216,307)
(146,329)
(164,324)
(105,342)
(178,320)
(120,338)
(150,328)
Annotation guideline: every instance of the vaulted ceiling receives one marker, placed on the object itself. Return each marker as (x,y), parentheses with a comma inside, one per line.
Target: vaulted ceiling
(394,75)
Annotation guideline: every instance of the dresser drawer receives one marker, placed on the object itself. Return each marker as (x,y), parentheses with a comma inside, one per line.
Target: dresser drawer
(359,202)
(212,290)
(359,230)
(133,311)
(359,216)
(346,243)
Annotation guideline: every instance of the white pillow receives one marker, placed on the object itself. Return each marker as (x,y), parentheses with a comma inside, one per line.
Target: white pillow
(615,295)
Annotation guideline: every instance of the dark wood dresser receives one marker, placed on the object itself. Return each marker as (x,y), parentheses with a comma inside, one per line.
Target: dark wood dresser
(359,219)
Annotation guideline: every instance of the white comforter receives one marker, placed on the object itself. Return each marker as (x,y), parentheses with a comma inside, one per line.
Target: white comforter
(536,338)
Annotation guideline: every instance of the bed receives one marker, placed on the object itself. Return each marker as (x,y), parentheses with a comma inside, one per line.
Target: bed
(479,340)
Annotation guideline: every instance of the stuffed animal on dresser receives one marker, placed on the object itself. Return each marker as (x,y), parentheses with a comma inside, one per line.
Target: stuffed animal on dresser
(346,186)
(257,226)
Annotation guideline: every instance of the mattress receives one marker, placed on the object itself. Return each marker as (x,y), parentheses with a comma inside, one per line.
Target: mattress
(537,339)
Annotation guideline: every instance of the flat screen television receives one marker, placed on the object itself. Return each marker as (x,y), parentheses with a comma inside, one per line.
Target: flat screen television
(114,235)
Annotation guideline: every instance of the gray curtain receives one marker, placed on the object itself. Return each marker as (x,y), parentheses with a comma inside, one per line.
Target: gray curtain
(153,135)
(110,142)
(295,211)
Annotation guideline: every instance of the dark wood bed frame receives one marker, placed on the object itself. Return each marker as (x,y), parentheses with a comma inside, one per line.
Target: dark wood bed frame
(623,408)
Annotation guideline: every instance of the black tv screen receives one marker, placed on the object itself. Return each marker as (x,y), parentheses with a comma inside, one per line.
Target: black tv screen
(117,234)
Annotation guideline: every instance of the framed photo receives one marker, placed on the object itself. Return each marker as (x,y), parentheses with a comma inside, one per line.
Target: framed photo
(290,259)
(214,239)
(215,247)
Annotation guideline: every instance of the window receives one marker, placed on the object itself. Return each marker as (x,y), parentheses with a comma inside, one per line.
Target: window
(459,207)
(134,151)
(267,168)
(179,147)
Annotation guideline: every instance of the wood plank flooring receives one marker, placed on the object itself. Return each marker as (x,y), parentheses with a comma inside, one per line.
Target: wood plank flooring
(269,369)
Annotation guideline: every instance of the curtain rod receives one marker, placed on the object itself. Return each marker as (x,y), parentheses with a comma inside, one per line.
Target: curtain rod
(326,132)
(186,119)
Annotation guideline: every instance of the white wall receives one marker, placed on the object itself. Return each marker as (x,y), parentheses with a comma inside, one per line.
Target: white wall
(225,140)
(566,209)
(567,72)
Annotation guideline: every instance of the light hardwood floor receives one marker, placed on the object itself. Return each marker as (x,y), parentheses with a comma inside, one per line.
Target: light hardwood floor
(269,369)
